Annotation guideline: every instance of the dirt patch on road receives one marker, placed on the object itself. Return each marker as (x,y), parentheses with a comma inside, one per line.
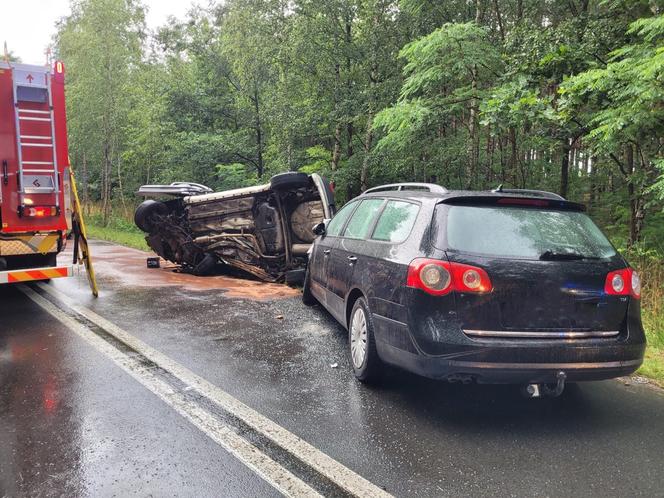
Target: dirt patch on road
(129,266)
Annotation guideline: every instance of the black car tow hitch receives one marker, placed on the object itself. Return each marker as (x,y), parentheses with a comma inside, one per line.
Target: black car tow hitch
(546,390)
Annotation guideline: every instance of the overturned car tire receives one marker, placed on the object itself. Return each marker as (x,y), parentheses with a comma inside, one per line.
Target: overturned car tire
(291,179)
(145,212)
(206,267)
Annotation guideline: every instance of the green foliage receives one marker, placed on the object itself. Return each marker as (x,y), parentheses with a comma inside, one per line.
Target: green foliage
(562,96)
(231,176)
(370,91)
(318,160)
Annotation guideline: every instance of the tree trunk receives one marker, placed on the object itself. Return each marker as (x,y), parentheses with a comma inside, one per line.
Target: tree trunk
(259,136)
(121,187)
(86,185)
(514,155)
(499,20)
(368,139)
(636,212)
(336,151)
(336,148)
(106,185)
(564,168)
(474,142)
(349,125)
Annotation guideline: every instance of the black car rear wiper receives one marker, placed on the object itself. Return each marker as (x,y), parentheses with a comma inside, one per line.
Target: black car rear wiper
(551,255)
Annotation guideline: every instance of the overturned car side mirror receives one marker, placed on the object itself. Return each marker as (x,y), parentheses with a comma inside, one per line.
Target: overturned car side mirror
(320,228)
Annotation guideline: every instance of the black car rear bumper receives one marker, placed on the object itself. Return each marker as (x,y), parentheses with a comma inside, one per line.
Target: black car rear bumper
(501,366)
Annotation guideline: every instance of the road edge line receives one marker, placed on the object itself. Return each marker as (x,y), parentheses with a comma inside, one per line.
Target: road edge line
(322,463)
(249,455)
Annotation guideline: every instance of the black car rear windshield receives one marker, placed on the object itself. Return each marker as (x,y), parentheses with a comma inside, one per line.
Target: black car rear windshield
(520,233)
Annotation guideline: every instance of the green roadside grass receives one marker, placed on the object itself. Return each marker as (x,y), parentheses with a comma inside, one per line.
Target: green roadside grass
(652,313)
(122,236)
(119,228)
(653,365)
(122,231)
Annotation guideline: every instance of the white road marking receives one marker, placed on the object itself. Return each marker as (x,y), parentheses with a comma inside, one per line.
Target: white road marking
(273,473)
(325,465)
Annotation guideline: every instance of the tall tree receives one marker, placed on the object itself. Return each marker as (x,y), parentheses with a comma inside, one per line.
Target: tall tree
(100,42)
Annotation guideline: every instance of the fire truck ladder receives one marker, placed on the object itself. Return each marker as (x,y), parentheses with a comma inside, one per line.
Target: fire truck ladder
(35,171)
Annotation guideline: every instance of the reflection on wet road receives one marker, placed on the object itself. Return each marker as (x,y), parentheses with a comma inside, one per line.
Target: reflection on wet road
(74,421)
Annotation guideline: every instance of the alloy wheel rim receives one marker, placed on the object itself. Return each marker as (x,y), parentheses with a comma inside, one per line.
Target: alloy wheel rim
(358,338)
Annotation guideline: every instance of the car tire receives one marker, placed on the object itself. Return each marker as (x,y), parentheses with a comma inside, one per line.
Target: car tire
(145,211)
(206,266)
(295,278)
(364,358)
(288,180)
(308,298)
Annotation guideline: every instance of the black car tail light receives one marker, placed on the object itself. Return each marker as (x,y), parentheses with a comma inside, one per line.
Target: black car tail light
(625,282)
(442,277)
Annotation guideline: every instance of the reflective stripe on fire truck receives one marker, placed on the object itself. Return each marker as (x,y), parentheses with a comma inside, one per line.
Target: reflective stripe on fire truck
(13,245)
(15,276)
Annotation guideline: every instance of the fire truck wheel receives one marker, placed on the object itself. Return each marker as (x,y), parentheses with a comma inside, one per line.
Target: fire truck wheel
(145,212)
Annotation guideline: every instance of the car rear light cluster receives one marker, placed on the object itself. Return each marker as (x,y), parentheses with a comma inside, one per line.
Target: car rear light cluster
(442,277)
(40,211)
(625,282)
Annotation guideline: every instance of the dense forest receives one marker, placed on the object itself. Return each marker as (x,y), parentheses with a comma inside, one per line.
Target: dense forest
(559,95)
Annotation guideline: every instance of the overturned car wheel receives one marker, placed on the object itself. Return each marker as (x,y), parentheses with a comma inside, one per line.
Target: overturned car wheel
(146,211)
(206,266)
(291,179)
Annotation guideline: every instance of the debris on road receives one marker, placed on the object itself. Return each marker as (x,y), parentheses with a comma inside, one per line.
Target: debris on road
(153,262)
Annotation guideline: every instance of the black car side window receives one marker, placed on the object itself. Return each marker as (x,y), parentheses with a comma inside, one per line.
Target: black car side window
(363,218)
(396,221)
(339,220)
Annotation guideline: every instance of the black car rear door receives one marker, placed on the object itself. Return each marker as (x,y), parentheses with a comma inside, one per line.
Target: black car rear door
(322,249)
(349,256)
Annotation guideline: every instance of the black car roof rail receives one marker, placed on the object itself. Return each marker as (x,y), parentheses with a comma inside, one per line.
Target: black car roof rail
(430,187)
(538,193)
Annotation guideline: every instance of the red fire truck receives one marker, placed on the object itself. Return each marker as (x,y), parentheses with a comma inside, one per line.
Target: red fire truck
(35,197)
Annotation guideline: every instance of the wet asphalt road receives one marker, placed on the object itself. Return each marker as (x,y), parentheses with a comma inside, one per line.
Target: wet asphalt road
(72,423)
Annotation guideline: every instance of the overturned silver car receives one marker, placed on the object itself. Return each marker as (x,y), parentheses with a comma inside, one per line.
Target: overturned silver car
(264,230)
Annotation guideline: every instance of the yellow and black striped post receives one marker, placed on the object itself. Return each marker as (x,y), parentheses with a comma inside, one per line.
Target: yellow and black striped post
(81,248)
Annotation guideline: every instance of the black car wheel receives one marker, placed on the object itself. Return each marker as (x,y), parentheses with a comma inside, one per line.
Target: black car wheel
(291,179)
(307,297)
(362,345)
(145,211)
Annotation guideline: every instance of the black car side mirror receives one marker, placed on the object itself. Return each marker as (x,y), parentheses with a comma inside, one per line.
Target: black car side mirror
(320,228)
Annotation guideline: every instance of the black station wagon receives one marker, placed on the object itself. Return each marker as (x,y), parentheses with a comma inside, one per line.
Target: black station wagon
(503,286)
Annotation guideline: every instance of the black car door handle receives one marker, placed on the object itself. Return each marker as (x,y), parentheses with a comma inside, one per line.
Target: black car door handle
(326,252)
(352,259)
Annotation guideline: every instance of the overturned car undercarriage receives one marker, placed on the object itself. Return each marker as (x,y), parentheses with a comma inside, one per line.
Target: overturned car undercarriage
(265,230)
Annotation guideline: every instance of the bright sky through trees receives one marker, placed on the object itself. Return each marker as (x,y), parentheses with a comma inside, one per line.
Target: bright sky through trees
(28,25)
